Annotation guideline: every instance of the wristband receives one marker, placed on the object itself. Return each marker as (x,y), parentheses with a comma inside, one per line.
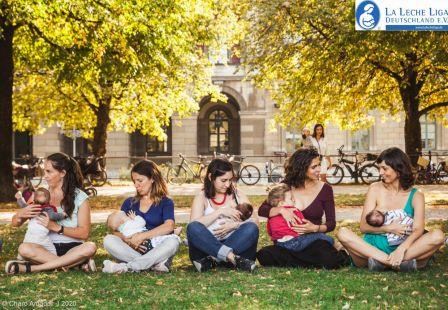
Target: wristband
(61,230)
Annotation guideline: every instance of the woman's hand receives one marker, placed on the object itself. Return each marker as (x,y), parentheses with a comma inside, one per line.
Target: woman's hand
(45,221)
(136,242)
(289,216)
(305,228)
(29,212)
(396,257)
(396,228)
(232,213)
(225,229)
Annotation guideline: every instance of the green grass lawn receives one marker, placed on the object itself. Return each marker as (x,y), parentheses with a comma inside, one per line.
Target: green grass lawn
(185,288)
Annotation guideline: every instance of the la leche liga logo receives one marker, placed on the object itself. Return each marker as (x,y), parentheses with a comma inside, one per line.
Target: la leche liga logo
(367,15)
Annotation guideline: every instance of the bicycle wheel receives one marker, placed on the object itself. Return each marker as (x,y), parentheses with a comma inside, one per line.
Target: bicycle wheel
(91,191)
(276,175)
(97,179)
(250,175)
(176,175)
(442,176)
(370,173)
(335,174)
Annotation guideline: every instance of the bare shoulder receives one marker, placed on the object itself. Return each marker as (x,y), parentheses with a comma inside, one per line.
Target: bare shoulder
(418,196)
(376,187)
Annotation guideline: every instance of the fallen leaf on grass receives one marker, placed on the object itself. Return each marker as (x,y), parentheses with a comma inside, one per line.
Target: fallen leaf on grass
(378,297)
(351,297)
(364,301)
(346,306)
(385,289)
(415,293)
(288,272)
(442,285)
(307,290)
(159,282)
(237,294)
(432,288)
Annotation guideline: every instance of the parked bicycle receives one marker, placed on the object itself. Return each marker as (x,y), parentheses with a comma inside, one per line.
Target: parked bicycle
(368,173)
(248,174)
(187,170)
(429,172)
(274,172)
(93,172)
(31,171)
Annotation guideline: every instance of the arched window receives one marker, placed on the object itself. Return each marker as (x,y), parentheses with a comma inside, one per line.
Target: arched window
(218,131)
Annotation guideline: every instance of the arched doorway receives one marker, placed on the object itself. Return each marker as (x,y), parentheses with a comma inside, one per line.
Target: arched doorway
(219,127)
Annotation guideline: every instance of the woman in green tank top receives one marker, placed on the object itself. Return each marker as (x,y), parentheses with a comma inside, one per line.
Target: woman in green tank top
(395,191)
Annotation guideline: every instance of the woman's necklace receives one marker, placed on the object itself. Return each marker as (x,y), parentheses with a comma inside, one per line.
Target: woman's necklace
(220,203)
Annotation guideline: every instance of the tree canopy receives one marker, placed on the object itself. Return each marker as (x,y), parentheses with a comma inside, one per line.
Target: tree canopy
(319,69)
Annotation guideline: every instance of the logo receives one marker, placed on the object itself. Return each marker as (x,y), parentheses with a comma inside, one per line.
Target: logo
(367,15)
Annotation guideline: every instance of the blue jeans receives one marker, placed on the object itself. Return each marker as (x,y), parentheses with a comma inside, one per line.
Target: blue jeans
(202,243)
(299,243)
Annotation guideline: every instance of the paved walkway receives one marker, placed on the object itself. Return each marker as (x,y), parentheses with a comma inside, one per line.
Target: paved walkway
(432,193)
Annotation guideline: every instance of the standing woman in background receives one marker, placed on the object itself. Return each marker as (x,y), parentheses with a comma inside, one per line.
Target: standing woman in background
(318,141)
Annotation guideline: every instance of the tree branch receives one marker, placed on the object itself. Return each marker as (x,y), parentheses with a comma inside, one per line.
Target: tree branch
(432,107)
(34,29)
(386,70)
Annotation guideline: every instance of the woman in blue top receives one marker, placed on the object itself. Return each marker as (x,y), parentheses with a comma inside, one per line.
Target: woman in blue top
(394,192)
(153,205)
(64,179)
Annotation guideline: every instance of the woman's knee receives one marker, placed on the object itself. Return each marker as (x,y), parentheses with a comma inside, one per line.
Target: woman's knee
(172,243)
(89,249)
(437,237)
(194,228)
(26,250)
(344,235)
(109,241)
(251,229)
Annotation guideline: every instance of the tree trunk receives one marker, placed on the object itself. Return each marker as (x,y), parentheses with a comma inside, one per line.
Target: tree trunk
(100,131)
(7,189)
(412,130)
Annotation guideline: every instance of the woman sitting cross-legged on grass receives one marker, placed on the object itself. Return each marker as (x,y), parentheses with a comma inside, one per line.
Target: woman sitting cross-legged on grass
(233,242)
(295,210)
(65,247)
(395,191)
(152,204)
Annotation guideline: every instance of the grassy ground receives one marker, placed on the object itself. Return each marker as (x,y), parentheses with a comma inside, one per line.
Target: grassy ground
(184,288)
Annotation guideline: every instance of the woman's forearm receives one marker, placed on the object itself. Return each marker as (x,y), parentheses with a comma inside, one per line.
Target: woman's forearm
(366,228)
(207,220)
(79,232)
(164,229)
(17,221)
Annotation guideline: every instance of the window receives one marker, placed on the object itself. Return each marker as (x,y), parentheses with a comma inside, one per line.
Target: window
(219,132)
(145,145)
(83,146)
(23,144)
(361,140)
(428,131)
(293,139)
(224,56)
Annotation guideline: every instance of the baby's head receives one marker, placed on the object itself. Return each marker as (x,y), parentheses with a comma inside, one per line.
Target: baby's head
(42,196)
(280,195)
(375,218)
(115,219)
(246,210)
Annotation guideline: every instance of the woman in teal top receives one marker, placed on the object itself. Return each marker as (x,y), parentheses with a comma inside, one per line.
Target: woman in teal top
(395,191)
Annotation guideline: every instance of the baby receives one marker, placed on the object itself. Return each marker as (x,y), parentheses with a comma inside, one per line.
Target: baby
(246,210)
(130,224)
(280,230)
(37,233)
(377,218)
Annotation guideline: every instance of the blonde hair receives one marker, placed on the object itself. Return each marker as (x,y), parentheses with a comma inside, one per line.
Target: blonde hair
(277,194)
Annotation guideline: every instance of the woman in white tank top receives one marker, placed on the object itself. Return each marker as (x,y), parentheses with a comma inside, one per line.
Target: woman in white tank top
(219,198)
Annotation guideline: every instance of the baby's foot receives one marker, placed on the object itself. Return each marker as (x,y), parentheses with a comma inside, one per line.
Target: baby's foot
(177,230)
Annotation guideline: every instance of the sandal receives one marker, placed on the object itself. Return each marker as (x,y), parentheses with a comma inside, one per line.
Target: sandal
(89,266)
(12,267)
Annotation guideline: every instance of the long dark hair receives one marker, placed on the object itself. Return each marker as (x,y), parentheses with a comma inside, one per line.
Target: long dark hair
(297,166)
(216,168)
(400,163)
(72,181)
(315,130)
(150,169)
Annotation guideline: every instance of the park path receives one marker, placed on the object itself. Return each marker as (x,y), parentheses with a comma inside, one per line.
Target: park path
(432,193)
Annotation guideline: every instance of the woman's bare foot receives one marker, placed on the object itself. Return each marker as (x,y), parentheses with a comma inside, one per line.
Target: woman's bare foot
(177,230)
